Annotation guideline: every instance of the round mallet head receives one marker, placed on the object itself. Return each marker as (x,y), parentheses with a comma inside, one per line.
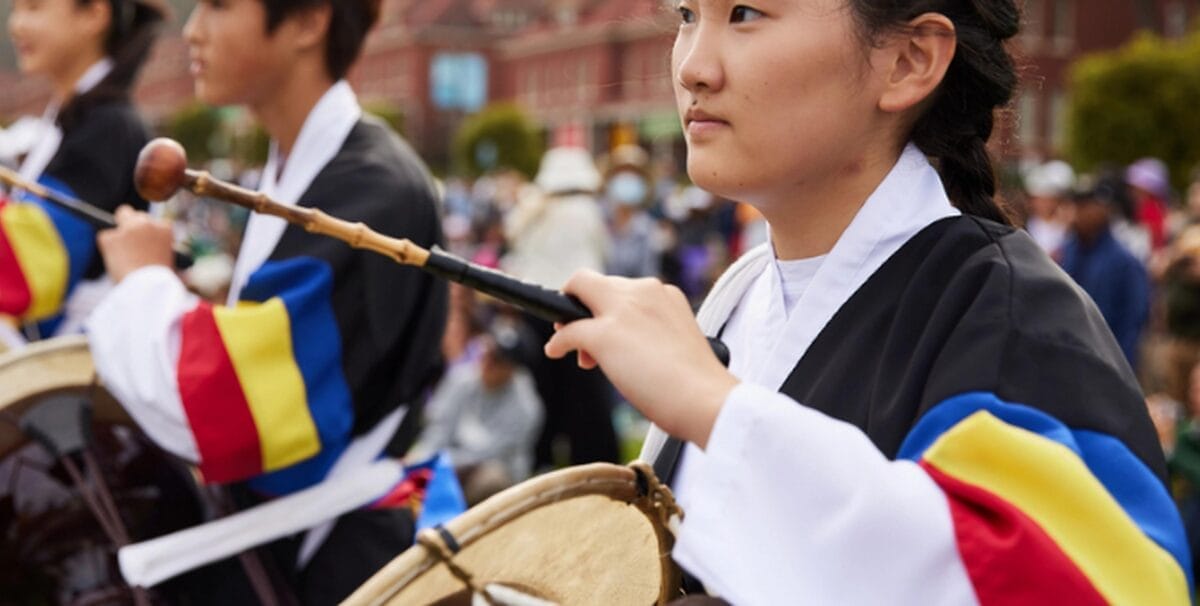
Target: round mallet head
(161,170)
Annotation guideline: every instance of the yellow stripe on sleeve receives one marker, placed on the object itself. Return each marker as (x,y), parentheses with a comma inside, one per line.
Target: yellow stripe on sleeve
(1053,486)
(258,338)
(42,256)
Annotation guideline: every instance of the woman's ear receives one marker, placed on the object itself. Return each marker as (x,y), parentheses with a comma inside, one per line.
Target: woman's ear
(95,20)
(921,54)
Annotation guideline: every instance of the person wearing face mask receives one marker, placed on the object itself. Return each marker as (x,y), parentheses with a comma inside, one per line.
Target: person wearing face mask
(626,189)
(920,407)
(85,146)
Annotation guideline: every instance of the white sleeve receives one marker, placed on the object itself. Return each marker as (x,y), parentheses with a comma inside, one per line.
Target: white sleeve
(787,505)
(134,336)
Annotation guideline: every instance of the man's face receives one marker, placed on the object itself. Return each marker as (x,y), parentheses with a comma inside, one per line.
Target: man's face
(234,61)
(1091,217)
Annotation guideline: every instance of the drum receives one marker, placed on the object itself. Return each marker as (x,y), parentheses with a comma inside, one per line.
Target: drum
(55,548)
(593,534)
(10,333)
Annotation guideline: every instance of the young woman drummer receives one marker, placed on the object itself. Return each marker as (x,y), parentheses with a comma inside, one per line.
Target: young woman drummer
(91,52)
(920,408)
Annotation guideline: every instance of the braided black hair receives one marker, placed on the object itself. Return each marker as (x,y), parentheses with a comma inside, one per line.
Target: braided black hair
(955,128)
(135,27)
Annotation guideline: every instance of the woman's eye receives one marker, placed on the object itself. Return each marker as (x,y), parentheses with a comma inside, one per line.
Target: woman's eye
(741,14)
(686,15)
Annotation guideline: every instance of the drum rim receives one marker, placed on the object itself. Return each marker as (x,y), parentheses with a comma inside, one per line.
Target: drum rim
(16,399)
(625,484)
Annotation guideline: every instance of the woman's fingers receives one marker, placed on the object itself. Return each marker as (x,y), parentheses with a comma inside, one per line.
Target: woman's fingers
(592,289)
(570,337)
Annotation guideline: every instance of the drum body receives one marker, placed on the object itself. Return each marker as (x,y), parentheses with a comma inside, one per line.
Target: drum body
(593,534)
(53,550)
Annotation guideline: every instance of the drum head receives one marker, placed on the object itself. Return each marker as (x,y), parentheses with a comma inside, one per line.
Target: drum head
(582,535)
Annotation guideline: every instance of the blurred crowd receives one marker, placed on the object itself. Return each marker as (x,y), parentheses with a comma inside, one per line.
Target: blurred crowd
(502,410)
(1133,244)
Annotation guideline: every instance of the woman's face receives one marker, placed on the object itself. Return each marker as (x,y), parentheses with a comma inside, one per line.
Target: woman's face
(234,61)
(52,37)
(775,95)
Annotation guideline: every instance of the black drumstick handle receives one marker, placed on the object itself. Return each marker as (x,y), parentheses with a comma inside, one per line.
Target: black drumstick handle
(96,217)
(182,260)
(549,305)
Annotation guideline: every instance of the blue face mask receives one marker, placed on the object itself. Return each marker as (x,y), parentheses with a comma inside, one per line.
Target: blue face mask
(627,188)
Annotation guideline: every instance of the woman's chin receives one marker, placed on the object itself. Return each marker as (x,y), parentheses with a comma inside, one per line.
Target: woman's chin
(712,178)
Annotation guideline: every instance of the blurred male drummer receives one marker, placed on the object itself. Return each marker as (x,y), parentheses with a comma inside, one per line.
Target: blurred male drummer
(306,373)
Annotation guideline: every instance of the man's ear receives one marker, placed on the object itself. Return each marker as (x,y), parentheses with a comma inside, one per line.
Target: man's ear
(307,28)
(921,54)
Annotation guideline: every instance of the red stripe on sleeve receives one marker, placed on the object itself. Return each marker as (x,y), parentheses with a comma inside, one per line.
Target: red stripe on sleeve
(216,406)
(15,296)
(1008,557)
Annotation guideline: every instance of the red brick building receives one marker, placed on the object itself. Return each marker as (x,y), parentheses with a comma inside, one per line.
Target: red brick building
(1055,33)
(599,67)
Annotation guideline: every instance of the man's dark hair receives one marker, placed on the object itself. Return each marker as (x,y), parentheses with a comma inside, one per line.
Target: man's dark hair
(349,22)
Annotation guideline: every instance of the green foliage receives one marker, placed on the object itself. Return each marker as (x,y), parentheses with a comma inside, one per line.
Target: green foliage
(208,133)
(252,147)
(500,136)
(1140,100)
(390,113)
(195,126)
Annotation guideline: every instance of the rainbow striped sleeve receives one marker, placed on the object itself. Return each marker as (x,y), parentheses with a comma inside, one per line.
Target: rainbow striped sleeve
(262,383)
(44,251)
(1046,514)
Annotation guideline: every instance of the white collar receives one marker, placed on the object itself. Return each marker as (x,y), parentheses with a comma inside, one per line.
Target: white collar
(321,138)
(908,200)
(94,74)
(43,152)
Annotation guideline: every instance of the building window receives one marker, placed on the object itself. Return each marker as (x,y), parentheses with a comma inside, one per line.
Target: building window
(528,87)
(459,81)
(1176,19)
(1028,119)
(1063,24)
(587,81)
(1033,21)
(567,14)
(1059,104)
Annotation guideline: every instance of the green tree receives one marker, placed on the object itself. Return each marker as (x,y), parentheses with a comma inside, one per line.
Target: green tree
(195,126)
(389,112)
(500,136)
(1137,101)
(251,147)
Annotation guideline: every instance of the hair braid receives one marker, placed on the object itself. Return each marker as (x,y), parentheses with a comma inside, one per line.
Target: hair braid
(955,129)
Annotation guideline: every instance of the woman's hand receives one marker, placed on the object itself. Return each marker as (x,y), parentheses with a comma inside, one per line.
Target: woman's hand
(645,338)
(138,241)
